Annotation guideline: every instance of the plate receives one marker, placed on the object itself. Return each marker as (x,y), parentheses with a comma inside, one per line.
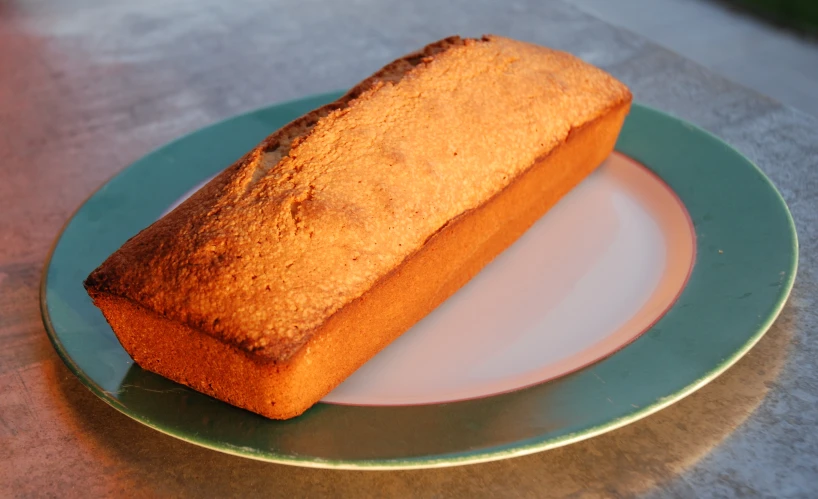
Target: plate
(647,281)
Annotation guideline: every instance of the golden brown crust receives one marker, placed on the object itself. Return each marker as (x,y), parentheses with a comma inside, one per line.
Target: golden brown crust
(352,336)
(130,270)
(268,252)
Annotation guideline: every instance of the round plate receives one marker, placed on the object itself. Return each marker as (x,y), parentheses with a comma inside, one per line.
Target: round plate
(745,264)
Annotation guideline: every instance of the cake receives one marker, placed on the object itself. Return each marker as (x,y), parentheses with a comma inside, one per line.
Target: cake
(293,267)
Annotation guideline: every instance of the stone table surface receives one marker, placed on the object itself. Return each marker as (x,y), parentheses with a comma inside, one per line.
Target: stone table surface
(89,86)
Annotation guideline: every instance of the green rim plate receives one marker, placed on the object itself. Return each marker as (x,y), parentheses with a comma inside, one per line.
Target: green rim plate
(746,259)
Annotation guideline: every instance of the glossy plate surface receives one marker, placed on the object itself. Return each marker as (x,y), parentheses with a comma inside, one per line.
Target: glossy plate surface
(696,201)
(620,245)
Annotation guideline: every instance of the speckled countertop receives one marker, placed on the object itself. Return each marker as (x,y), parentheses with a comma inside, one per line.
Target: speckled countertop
(88,86)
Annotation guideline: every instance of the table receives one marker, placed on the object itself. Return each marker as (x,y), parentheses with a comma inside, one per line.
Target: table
(88,86)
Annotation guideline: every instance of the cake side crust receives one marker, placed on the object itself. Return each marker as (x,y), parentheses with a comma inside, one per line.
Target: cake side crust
(353,335)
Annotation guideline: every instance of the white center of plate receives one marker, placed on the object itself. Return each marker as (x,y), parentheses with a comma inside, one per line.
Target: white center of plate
(587,279)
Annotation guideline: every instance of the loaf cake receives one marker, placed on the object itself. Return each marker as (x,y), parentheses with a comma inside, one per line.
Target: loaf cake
(298,263)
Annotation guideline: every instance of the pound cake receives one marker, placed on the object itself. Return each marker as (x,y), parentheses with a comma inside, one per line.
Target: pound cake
(297,264)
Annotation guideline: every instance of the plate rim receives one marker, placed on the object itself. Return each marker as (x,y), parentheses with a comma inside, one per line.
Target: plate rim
(519,448)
